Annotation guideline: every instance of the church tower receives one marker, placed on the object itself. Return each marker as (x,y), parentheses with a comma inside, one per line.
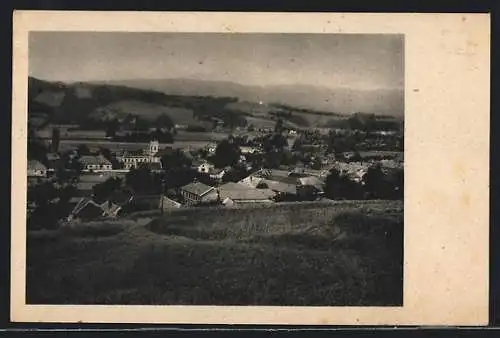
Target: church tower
(153,147)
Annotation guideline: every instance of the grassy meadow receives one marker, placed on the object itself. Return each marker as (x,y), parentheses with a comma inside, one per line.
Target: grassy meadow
(312,254)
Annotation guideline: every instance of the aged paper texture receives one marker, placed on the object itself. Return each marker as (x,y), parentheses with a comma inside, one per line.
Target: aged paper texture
(446,202)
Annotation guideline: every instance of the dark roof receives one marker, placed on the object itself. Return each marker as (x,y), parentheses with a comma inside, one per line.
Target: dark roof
(197,188)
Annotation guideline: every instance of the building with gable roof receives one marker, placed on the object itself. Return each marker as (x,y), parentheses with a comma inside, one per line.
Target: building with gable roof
(36,169)
(95,163)
(132,159)
(197,192)
(232,194)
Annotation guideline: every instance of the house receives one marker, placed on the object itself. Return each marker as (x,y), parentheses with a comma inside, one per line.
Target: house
(209,169)
(211,147)
(278,181)
(217,174)
(197,192)
(94,163)
(354,170)
(155,167)
(134,158)
(285,184)
(249,150)
(110,209)
(36,169)
(290,141)
(86,209)
(232,194)
(181,126)
(150,202)
(205,168)
(310,187)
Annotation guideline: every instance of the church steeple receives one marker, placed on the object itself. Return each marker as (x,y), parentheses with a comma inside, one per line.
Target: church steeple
(153,147)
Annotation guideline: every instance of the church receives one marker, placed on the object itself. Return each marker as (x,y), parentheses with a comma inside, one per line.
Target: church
(134,158)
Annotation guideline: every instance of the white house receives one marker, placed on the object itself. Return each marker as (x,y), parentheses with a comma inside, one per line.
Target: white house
(249,150)
(211,147)
(206,168)
(36,169)
(95,163)
(217,174)
(133,159)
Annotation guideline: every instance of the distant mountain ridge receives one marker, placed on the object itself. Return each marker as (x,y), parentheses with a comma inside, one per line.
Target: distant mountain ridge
(340,100)
(185,101)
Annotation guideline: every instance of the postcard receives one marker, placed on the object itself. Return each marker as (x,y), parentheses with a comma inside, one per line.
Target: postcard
(250,168)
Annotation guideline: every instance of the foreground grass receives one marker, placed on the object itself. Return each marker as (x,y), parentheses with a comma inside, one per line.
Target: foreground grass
(309,254)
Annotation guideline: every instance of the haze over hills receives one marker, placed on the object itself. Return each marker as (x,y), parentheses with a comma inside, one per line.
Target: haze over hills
(188,101)
(339,100)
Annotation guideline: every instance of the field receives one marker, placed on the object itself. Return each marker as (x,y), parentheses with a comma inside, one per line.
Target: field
(340,253)
(260,122)
(148,111)
(199,136)
(115,146)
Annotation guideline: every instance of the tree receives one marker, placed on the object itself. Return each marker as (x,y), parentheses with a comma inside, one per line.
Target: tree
(83,150)
(110,157)
(141,124)
(278,142)
(178,177)
(42,193)
(56,137)
(235,174)
(226,154)
(316,163)
(278,127)
(297,144)
(398,184)
(272,159)
(140,179)
(164,121)
(104,190)
(175,159)
(37,149)
(112,128)
(339,186)
(162,137)
(332,184)
(375,183)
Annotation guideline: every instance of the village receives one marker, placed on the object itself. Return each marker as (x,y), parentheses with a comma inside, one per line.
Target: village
(248,168)
(215,169)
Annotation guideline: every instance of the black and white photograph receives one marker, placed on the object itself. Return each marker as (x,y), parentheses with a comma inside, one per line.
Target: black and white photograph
(233,169)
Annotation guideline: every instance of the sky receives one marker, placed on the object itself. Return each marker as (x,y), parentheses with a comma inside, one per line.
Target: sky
(328,60)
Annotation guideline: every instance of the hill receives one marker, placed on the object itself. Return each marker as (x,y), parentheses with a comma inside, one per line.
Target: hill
(146,110)
(77,102)
(341,100)
(186,101)
(326,254)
